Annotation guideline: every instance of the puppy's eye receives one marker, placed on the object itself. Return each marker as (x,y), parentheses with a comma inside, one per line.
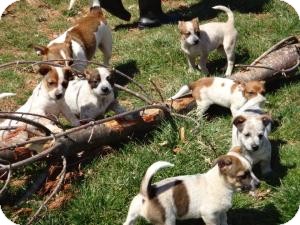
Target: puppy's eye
(244,176)
(251,93)
(188,33)
(260,136)
(51,83)
(198,33)
(247,135)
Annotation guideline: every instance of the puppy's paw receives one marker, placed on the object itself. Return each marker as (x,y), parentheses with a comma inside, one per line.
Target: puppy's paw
(268,175)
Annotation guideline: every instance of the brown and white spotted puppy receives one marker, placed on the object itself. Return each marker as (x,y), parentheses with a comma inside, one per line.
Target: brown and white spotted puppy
(250,130)
(199,40)
(221,91)
(94,96)
(81,41)
(207,196)
(47,98)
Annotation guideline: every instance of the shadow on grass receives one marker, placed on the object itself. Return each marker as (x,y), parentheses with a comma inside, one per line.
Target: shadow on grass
(203,10)
(129,68)
(268,215)
(277,84)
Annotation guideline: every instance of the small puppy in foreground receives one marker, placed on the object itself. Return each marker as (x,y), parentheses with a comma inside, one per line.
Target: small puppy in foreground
(93,97)
(81,41)
(250,130)
(221,91)
(207,196)
(199,40)
(47,99)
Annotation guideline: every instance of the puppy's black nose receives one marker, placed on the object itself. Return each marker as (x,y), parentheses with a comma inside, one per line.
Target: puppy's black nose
(196,42)
(255,147)
(105,89)
(59,96)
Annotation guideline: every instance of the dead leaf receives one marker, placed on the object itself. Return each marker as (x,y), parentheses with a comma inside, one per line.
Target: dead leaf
(177,150)
(182,134)
(60,201)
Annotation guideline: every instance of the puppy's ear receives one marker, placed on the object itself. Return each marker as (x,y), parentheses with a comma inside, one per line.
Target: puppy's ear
(44,69)
(195,22)
(239,122)
(87,74)
(181,26)
(224,163)
(40,50)
(112,76)
(266,119)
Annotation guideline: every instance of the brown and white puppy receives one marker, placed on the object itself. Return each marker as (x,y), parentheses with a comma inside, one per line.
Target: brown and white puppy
(81,41)
(199,40)
(94,96)
(207,196)
(47,99)
(250,130)
(221,91)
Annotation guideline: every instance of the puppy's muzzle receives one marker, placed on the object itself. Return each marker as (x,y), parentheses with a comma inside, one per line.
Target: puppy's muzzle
(255,147)
(105,90)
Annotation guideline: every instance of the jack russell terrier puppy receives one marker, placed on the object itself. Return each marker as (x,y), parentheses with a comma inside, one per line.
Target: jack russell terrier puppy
(93,97)
(250,130)
(47,99)
(81,41)
(221,91)
(207,196)
(199,40)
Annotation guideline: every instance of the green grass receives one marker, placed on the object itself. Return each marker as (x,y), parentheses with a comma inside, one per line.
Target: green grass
(104,195)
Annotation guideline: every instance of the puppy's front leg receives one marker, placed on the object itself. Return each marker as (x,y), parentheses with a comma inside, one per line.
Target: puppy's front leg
(265,166)
(223,218)
(202,63)
(191,63)
(65,110)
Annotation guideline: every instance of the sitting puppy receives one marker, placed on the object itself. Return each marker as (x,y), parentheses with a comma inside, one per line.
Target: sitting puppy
(250,130)
(207,196)
(221,91)
(47,99)
(93,97)
(81,41)
(200,40)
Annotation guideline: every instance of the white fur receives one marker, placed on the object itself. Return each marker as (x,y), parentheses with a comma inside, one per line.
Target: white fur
(3,95)
(44,102)
(209,196)
(89,103)
(212,36)
(254,126)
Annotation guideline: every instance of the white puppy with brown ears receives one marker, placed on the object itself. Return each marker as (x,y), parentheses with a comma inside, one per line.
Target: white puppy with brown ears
(199,40)
(93,97)
(81,41)
(250,130)
(207,196)
(47,99)
(221,91)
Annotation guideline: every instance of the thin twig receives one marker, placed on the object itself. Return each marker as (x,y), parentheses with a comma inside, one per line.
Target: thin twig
(140,96)
(56,189)
(7,180)
(27,121)
(157,90)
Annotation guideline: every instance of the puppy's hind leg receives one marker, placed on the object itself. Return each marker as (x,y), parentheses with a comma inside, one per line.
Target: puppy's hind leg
(134,210)
(229,50)
(202,106)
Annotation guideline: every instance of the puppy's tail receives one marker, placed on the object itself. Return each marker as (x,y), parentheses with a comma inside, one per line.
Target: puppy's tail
(146,182)
(3,95)
(228,11)
(183,90)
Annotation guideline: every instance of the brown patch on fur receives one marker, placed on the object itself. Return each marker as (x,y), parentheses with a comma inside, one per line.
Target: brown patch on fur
(230,165)
(196,86)
(84,29)
(181,198)
(236,149)
(51,80)
(156,214)
(252,88)
(222,85)
(195,23)
(234,86)
(93,77)
(239,122)
(182,28)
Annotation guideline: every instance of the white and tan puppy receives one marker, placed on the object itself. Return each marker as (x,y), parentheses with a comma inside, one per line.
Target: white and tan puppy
(47,99)
(93,97)
(199,40)
(81,41)
(250,130)
(221,91)
(207,196)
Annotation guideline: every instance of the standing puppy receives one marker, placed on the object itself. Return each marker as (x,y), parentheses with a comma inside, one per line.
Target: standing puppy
(94,96)
(221,91)
(250,130)
(200,40)
(81,41)
(47,99)
(207,196)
